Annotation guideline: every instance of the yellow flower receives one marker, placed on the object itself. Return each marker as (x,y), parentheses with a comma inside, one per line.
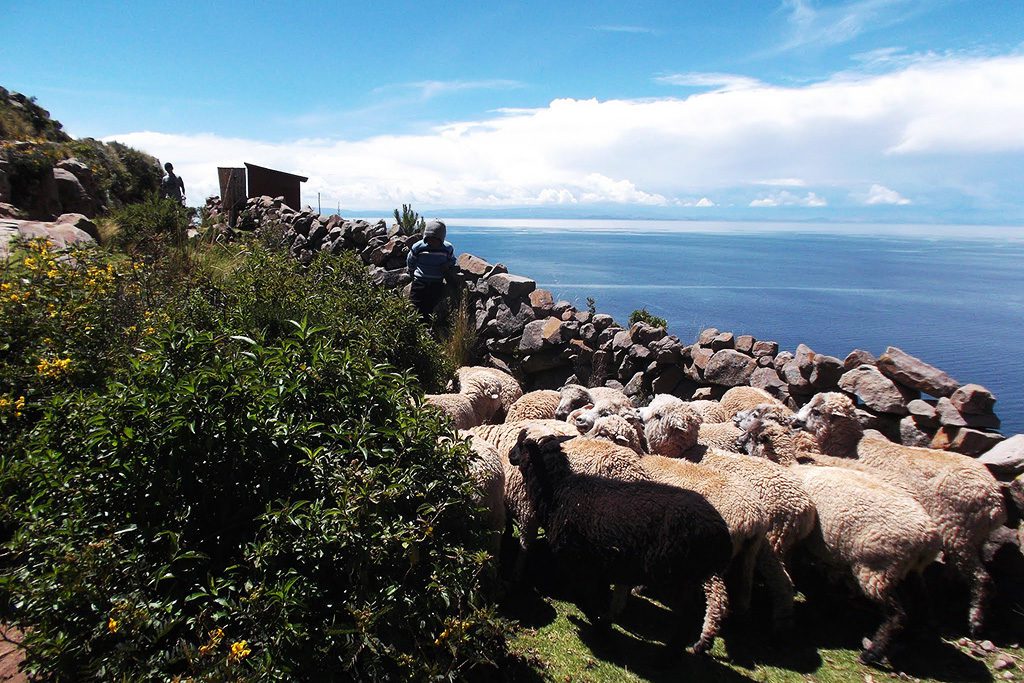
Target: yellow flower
(148,331)
(239,651)
(31,263)
(112,625)
(15,298)
(52,273)
(53,368)
(5,286)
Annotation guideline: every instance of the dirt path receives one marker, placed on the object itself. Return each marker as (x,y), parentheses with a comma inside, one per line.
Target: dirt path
(10,656)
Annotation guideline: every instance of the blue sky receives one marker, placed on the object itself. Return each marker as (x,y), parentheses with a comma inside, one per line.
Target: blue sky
(900,110)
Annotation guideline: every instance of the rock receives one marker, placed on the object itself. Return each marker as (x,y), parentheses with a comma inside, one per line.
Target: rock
(973,399)
(11,211)
(583,317)
(668,380)
(989,421)
(471,267)
(923,414)
(973,442)
(533,337)
(546,360)
(392,279)
(541,301)
(804,357)
(705,337)
(781,359)
(765,362)
(562,307)
(874,389)
(640,354)
(729,368)
(722,341)
(745,344)
(887,425)
(948,414)
(794,377)
(825,372)
(1006,457)
(635,386)
(509,321)
(912,435)
(622,341)
(913,372)
(60,235)
(701,357)
(588,333)
(642,333)
(81,222)
(703,393)
(767,379)
(857,358)
(764,348)
(602,321)
(71,194)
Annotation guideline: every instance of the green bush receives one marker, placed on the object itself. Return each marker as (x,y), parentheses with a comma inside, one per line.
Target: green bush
(247,509)
(151,226)
(409,222)
(643,315)
(67,323)
(270,288)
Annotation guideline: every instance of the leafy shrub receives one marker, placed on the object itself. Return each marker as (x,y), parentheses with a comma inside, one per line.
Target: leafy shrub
(247,509)
(270,288)
(409,222)
(67,320)
(151,226)
(643,315)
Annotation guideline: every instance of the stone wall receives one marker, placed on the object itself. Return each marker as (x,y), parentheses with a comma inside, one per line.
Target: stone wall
(547,343)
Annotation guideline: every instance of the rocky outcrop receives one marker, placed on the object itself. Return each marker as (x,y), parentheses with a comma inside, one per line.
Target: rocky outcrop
(70,230)
(547,343)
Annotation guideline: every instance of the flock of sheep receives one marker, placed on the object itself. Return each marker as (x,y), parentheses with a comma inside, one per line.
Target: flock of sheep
(682,495)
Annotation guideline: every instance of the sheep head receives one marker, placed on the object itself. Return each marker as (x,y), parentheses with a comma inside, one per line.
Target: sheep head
(762,435)
(620,430)
(671,426)
(832,418)
(572,396)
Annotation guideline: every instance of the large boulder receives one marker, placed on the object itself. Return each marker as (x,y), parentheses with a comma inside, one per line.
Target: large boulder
(914,372)
(729,368)
(61,235)
(874,389)
(80,222)
(1006,457)
(973,399)
(511,286)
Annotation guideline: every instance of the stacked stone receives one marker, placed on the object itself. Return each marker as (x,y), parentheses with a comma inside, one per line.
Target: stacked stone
(547,343)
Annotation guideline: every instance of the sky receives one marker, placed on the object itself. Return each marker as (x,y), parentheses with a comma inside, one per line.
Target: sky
(855,110)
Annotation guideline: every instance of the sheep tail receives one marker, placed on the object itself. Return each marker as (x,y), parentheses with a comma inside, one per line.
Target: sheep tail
(717,607)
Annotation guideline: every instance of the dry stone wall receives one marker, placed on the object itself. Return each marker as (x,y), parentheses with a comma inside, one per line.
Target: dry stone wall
(546,343)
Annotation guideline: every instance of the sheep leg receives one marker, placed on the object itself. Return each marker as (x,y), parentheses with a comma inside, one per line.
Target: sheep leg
(780,588)
(717,607)
(967,562)
(527,535)
(743,581)
(895,621)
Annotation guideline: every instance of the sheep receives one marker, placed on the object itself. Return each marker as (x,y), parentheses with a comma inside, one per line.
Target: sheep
(742,398)
(518,507)
(487,471)
(672,429)
(710,411)
(626,532)
(534,405)
(618,429)
(474,405)
(880,533)
(575,396)
(958,492)
(508,388)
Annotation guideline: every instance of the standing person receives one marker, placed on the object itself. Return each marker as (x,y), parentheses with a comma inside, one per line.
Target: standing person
(429,261)
(172,186)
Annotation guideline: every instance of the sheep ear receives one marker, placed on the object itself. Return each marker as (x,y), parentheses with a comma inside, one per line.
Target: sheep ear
(622,438)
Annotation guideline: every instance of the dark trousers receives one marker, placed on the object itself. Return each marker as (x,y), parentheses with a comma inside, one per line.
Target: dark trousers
(425,295)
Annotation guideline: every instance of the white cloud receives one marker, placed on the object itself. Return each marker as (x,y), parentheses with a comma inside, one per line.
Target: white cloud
(787,198)
(945,126)
(880,194)
(840,23)
(430,89)
(704,202)
(717,81)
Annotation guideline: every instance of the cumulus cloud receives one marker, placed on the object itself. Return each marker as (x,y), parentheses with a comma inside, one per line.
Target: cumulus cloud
(787,198)
(945,126)
(880,194)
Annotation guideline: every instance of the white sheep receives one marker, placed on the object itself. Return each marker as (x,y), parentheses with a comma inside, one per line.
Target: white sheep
(474,405)
(672,429)
(710,411)
(534,405)
(487,470)
(575,396)
(743,398)
(958,492)
(509,390)
(878,532)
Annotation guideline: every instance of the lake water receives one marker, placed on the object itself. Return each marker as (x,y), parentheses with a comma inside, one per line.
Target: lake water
(950,295)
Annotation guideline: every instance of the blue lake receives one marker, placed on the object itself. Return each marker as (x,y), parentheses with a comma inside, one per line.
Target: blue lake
(950,295)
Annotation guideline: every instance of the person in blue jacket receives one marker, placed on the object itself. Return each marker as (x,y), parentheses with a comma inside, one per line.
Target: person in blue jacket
(429,261)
